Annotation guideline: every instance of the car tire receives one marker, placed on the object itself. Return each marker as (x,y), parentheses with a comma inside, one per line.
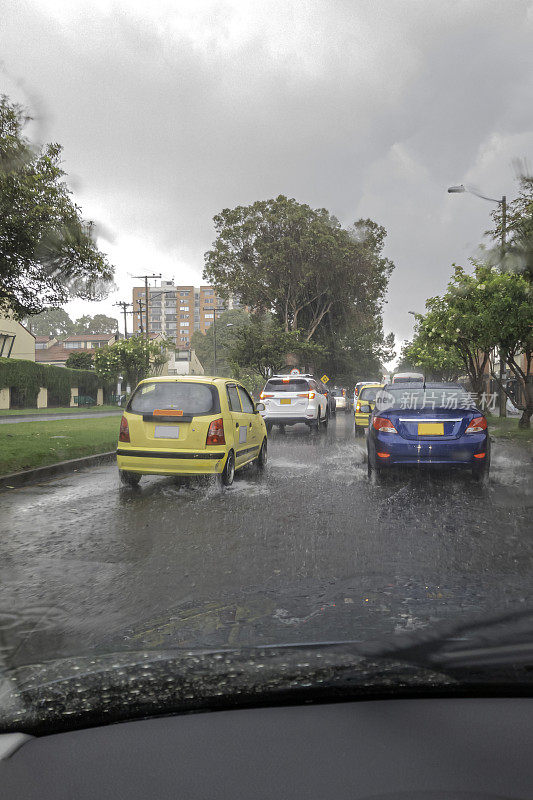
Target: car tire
(268,426)
(481,474)
(262,458)
(129,478)
(357,431)
(325,421)
(228,473)
(316,425)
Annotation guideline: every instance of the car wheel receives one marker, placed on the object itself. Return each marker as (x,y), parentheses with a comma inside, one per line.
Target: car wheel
(317,424)
(129,478)
(325,421)
(262,458)
(357,431)
(481,474)
(228,473)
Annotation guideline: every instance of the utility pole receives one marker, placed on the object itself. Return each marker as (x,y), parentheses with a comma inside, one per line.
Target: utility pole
(140,304)
(503,396)
(146,278)
(124,306)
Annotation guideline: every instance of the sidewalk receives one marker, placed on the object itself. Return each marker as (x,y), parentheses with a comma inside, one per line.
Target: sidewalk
(5,419)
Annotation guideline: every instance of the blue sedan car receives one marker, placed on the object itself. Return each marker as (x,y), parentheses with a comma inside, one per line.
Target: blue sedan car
(433,424)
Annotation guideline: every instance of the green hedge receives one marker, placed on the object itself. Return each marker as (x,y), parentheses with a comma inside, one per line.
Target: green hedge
(25,378)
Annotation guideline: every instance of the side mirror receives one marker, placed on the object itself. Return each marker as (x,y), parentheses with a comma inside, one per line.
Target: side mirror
(365,408)
(259,407)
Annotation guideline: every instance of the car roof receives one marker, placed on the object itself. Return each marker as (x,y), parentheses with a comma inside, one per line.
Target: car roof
(186,379)
(372,385)
(420,384)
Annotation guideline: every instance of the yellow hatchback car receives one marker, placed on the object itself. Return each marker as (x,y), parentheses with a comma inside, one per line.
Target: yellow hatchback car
(364,405)
(190,426)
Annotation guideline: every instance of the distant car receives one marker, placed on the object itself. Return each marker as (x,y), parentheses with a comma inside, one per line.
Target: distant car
(364,406)
(341,399)
(358,388)
(294,398)
(408,377)
(190,426)
(435,425)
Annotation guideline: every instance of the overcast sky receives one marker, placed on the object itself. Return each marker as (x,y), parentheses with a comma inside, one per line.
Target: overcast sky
(169,111)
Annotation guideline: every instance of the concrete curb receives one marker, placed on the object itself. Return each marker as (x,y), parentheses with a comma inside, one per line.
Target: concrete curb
(29,476)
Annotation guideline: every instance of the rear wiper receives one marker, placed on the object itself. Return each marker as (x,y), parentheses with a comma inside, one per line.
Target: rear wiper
(503,640)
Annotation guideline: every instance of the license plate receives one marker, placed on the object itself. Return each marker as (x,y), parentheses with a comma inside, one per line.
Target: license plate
(431,428)
(285,401)
(167,432)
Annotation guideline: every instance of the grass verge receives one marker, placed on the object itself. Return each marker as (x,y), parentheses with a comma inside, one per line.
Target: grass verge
(22,412)
(507,428)
(25,445)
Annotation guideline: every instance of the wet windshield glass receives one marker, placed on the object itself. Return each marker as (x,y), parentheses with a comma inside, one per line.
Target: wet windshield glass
(418,398)
(224,226)
(368,394)
(287,386)
(190,398)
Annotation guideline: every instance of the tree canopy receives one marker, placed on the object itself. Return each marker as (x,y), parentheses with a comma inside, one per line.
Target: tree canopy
(518,255)
(284,257)
(132,359)
(81,359)
(56,322)
(47,250)
(479,313)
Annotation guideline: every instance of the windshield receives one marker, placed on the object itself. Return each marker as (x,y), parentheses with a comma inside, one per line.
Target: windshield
(369,394)
(266,350)
(418,398)
(281,385)
(190,398)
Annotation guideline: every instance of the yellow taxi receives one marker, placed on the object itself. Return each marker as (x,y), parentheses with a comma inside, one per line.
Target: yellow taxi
(191,425)
(364,405)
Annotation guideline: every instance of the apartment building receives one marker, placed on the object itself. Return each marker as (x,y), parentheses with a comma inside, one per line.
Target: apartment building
(177,311)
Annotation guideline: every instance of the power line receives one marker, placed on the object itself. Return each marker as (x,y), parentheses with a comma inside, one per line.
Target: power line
(123,305)
(146,278)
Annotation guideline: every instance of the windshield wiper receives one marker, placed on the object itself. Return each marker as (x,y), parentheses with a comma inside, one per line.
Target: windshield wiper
(503,640)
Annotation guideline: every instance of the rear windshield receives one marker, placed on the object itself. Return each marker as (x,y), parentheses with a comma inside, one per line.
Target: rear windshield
(191,398)
(337,393)
(418,398)
(369,393)
(293,385)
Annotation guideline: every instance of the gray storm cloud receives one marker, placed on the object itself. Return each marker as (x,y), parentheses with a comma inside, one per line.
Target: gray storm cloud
(371,109)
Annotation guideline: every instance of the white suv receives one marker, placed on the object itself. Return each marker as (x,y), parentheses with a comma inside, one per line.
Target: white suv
(289,399)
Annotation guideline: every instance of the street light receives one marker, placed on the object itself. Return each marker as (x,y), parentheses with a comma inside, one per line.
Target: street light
(459,189)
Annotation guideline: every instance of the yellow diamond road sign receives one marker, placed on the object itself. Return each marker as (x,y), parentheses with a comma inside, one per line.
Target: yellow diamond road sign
(324,379)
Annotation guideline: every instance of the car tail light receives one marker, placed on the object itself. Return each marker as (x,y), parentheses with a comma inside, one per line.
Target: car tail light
(263,395)
(384,425)
(358,407)
(479,455)
(215,434)
(384,455)
(310,395)
(124,434)
(478,425)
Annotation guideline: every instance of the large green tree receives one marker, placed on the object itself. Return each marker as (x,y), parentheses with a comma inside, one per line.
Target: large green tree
(283,257)
(47,251)
(482,313)
(50,322)
(437,360)
(225,329)
(100,323)
(133,359)
(264,347)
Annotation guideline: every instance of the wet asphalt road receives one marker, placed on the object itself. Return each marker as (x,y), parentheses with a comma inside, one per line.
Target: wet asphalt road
(310,551)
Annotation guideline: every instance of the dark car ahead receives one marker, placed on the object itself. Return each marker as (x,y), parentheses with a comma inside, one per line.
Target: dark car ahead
(433,424)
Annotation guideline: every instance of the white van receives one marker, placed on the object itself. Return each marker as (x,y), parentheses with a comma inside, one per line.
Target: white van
(408,377)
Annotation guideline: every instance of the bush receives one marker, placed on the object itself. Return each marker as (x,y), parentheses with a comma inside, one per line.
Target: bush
(25,378)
